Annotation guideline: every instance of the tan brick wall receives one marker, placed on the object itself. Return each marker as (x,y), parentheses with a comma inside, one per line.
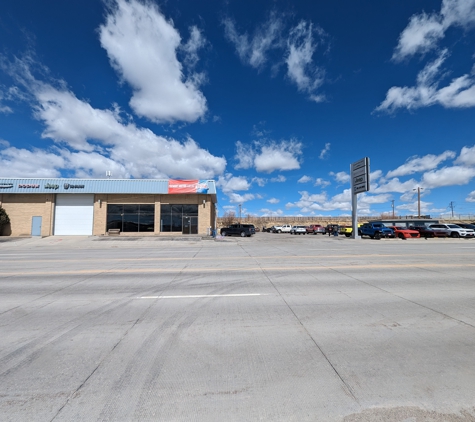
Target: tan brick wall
(22,207)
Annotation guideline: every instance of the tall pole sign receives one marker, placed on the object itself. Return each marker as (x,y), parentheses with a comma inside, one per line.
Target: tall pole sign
(359,171)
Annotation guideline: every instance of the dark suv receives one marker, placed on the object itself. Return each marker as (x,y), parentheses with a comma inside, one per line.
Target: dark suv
(242,230)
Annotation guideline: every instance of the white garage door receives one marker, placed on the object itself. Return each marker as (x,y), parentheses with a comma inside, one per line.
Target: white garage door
(73,214)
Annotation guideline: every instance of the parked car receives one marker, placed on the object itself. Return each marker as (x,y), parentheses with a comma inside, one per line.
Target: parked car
(427,232)
(285,228)
(376,230)
(298,230)
(315,229)
(405,233)
(454,230)
(348,230)
(242,230)
(466,226)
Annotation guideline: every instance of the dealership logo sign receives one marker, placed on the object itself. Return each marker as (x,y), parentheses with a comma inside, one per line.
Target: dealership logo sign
(6,185)
(51,186)
(68,186)
(29,186)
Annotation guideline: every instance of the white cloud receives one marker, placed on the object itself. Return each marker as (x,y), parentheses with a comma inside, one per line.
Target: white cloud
(424,31)
(142,47)
(300,67)
(448,176)
(236,198)
(420,35)
(304,179)
(279,179)
(460,93)
(298,48)
(321,182)
(93,141)
(395,185)
(419,164)
(471,197)
(269,156)
(229,183)
(273,201)
(282,156)
(266,212)
(466,157)
(259,181)
(254,51)
(324,151)
(341,177)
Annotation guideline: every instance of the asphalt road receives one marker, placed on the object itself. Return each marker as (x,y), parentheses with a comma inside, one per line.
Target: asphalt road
(269,328)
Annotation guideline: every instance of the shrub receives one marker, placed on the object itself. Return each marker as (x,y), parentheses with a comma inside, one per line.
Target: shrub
(4,219)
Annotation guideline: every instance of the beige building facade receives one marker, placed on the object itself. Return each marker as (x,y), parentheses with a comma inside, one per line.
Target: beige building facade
(48,207)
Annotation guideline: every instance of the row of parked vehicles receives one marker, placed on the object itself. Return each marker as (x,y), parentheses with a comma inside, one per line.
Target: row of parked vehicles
(377,230)
(372,229)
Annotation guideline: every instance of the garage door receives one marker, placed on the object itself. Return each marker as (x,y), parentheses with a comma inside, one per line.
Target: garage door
(73,214)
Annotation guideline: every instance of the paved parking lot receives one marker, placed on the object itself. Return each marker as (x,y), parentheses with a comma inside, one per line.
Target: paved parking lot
(268,328)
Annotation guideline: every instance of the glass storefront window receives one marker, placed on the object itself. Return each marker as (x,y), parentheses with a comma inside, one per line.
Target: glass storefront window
(171,216)
(131,217)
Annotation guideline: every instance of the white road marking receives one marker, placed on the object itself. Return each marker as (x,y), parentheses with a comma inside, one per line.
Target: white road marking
(201,296)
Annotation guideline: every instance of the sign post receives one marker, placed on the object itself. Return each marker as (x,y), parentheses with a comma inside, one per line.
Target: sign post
(359,172)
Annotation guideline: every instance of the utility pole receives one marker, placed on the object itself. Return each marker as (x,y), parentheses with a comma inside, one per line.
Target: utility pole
(452,206)
(392,205)
(418,201)
(240,207)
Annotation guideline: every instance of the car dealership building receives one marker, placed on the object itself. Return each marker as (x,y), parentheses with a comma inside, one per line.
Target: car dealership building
(140,207)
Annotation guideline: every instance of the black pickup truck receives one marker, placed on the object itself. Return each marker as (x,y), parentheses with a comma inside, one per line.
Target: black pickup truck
(242,230)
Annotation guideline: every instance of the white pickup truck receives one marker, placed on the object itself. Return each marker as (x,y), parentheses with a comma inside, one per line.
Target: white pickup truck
(282,229)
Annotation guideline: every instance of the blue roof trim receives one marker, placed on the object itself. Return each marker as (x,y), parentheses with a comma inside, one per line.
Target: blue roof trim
(74,186)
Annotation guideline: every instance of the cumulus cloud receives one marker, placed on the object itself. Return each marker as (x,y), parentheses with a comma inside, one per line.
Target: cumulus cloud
(229,183)
(236,198)
(466,157)
(395,185)
(424,31)
(266,212)
(91,141)
(273,201)
(419,164)
(471,197)
(310,203)
(142,47)
(259,181)
(279,179)
(269,156)
(448,176)
(321,182)
(341,177)
(324,151)
(304,179)
(460,93)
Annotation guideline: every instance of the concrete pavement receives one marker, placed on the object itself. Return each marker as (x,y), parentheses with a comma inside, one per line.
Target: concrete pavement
(268,328)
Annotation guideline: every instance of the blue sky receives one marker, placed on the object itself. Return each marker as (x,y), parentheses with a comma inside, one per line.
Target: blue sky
(273,100)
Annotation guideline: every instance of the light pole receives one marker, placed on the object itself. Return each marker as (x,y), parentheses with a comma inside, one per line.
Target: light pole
(418,201)
(240,207)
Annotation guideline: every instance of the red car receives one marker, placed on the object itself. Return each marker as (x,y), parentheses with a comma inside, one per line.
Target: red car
(316,228)
(405,233)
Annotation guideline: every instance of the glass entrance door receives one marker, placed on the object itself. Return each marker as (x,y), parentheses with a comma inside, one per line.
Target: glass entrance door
(190,225)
